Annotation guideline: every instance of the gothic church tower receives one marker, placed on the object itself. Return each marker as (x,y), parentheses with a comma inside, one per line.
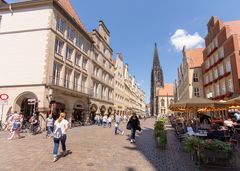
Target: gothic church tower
(156,82)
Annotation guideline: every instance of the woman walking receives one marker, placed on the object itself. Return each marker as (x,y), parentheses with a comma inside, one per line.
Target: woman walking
(16,127)
(60,128)
(133,124)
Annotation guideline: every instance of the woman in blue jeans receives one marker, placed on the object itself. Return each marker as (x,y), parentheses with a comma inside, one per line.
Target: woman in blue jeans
(60,128)
(134,125)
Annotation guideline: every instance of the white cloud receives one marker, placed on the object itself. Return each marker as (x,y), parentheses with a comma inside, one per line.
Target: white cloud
(182,38)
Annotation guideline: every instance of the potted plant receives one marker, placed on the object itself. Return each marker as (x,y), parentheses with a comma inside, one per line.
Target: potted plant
(160,134)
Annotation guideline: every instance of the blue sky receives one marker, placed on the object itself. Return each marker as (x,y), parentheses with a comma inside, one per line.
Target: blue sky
(135,25)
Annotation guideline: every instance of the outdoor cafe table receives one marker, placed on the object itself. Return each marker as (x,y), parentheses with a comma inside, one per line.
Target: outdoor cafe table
(196,134)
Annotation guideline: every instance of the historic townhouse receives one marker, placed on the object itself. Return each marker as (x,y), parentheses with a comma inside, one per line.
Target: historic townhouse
(190,74)
(50,62)
(103,72)
(221,67)
(119,89)
(134,96)
(165,98)
(128,95)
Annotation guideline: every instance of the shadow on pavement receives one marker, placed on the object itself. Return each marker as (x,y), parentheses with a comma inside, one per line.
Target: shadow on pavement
(68,152)
(169,159)
(130,169)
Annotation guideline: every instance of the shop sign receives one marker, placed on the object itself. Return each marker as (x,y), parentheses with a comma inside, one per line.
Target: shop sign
(4,96)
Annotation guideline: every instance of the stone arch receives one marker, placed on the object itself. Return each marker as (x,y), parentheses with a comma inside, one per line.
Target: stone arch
(102,110)
(110,110)
(94,108)
(21,103)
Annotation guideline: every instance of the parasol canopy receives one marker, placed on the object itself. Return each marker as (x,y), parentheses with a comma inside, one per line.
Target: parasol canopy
(198,103)
(234,103)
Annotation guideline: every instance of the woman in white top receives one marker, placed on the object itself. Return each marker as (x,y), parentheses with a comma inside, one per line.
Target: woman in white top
(60,127)
(109,121)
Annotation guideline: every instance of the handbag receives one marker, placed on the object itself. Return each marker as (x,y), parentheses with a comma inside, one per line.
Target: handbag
(128,126)
(139,128)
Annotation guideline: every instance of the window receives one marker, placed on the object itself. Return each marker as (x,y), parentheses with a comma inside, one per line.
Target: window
(195,77)
(86,47)
(215,42)
(206,79)
(56,73)
(162,102)
(221,53)
(84,63)
(76,81)
(196,91)
(77,59)
(223,88)
(67,78)
(96,56)
(95,89)
(70,34)
(230,85)
(60,25)
(221,70)
(69,53)
(216,57)
(217,90)
(228,66)
(58,47)
(78,41)
(83,84)
(211,61)
(207,64)
(215,74)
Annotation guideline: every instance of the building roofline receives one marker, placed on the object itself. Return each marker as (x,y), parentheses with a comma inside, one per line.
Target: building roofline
(28,4)
(104,26)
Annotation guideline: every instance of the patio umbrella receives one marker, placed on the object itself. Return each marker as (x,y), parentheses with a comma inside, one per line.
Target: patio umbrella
(198,103)
(235,102)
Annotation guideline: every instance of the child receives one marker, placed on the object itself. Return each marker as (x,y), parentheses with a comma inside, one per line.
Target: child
(49,123)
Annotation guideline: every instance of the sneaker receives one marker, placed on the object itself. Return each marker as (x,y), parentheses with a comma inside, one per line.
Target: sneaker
(64,153)
(134,140)
(131,141)
(54,159)
(122,132)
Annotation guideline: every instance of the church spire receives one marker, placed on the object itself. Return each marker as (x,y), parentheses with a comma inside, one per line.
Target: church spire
(156,82)
(156,57)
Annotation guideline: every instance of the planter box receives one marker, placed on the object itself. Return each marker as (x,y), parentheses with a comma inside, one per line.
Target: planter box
(219,159)
(159,144)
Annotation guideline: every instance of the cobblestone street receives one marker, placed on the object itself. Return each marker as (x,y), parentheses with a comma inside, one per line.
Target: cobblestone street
(95,148)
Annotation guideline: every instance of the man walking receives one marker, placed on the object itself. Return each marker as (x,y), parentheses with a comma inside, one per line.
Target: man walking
(117,123)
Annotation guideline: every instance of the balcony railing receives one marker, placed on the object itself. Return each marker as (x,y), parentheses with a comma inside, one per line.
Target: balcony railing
(56,81)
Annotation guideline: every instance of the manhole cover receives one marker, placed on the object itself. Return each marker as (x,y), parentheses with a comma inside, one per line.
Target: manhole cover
(90,164)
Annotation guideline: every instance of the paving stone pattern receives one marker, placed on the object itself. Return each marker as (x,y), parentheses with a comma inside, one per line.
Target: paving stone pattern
(95,149)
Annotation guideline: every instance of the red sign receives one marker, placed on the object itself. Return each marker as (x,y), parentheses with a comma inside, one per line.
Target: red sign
(4,96)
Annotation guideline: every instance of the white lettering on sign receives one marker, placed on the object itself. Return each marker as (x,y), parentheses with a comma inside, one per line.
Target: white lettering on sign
(3,102)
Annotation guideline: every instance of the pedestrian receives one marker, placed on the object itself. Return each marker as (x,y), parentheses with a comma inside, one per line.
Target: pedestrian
(50,127)
(60,128)
(101,119)
(133,124)
(96,119)
(105,119)
(16,127)
(109,121)
(118,120)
